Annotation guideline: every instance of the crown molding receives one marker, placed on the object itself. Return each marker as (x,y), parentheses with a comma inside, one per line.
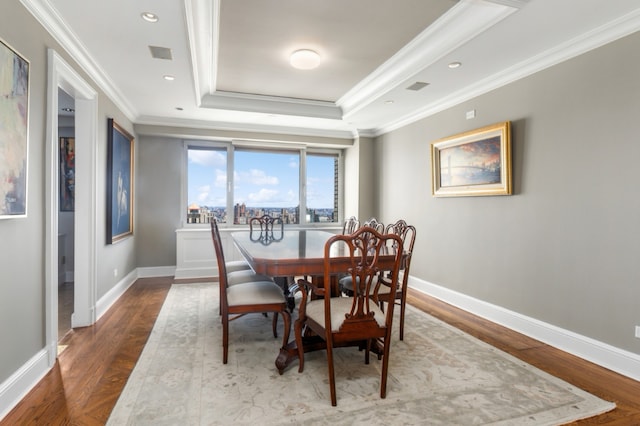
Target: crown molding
(49,18)
(458,25)
(272,105)
(244,127)
(600,36)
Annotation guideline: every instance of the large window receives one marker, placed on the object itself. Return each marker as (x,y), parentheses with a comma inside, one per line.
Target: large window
(234,184)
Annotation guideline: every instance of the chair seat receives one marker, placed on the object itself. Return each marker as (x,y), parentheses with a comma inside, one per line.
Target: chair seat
(339,305)
(237,265)
(255,293)
(239,277)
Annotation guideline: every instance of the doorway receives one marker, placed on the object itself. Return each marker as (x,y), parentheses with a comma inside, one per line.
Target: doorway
(66,210)
(64,79)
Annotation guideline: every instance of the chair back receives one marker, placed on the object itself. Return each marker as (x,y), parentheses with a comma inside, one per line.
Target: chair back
(350,225)
(222,266)
(266,229)
(373,223)
(408,235)
(369,253)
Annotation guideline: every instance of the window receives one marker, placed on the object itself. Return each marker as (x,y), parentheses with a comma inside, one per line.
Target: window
(233,184)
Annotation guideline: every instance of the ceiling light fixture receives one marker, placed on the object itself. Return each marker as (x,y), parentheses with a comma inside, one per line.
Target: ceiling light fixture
(149,17)
(169,77)
(454,65)
(304,59)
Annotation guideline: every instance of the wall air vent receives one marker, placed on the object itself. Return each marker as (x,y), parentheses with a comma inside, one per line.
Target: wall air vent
(160,52)
(418,85)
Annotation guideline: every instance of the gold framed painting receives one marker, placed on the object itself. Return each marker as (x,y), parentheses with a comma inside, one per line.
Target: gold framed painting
(474,163)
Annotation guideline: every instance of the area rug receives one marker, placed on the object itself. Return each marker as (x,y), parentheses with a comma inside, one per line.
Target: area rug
(438,375)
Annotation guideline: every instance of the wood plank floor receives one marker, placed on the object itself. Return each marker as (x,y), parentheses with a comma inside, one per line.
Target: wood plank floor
(90,374)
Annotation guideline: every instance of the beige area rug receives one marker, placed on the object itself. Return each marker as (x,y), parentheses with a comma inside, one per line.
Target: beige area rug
(437,376)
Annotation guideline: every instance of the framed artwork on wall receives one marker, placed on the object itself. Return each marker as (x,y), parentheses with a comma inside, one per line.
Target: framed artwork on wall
(474,163)
(67,174)
(119,183)
(14,127)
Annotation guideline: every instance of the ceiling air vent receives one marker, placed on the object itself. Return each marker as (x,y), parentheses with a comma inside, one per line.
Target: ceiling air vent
(160,52)
(418,85)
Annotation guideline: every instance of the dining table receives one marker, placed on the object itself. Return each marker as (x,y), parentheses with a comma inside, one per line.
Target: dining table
(294,253)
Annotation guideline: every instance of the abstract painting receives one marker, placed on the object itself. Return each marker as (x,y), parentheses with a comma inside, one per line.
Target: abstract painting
(14,125)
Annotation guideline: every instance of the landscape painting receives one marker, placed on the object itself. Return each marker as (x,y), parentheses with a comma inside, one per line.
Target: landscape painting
(473,163)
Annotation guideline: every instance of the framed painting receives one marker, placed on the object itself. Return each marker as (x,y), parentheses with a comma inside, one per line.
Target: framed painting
(14,127)
(474,163)
(119,183)
(67,174)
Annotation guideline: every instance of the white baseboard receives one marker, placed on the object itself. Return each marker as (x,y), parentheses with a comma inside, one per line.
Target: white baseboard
(190,273)
(603,354)
(22,381)
(110,297)
(156,271)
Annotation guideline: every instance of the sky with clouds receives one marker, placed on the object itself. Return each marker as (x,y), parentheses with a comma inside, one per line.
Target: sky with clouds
(260,179)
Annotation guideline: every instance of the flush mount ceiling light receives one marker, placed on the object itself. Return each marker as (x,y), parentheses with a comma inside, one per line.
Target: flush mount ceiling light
(149,17)
(304,59)
(169,77)
(453,65)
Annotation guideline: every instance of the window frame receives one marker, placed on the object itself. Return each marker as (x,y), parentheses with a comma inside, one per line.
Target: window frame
(231,146)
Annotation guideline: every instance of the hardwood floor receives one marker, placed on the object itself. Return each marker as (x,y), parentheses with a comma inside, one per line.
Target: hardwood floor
(85,383)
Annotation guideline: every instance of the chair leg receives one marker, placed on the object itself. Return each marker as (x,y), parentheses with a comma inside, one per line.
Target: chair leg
(332,375)
(385,366)
(274,324)
(298,327)
(403,305)
(225,338)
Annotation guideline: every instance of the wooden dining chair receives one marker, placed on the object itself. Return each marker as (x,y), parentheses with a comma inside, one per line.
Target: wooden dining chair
(344,282)
(266,229)
(357,320)
(385,294)
(255,296)
(350,225)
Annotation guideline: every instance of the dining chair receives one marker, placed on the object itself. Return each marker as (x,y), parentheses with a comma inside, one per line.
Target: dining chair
(385,294)
(256,296)
(350,225)
(373,223)
(344,282)
(266,229)
(357,320)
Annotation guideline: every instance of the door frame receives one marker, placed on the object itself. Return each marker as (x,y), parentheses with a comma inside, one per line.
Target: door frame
(61,75)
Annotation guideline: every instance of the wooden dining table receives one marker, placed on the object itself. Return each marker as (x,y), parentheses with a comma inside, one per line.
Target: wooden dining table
(293,253)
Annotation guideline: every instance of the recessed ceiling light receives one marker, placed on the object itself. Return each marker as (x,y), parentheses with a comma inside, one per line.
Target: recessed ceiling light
(453,65)
(169,77)
(149,17)
(304,59)
(389,102)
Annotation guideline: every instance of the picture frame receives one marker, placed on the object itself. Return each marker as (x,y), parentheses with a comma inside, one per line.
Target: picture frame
(119,182)
(67,168)
(14,132)
(475,163)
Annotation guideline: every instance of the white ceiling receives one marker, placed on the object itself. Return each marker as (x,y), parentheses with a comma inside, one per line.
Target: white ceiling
(230,57)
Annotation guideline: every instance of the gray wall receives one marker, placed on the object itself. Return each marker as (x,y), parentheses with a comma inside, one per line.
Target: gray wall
(22,241)
(564,248)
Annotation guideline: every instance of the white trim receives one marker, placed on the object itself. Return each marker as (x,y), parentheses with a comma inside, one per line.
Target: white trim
(61,75)
(156,271)
(603,354)
(112,296)
(22,381)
